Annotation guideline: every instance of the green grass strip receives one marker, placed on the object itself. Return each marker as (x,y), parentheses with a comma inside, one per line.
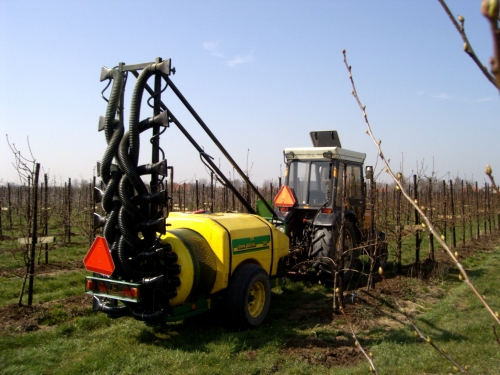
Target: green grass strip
(45,287)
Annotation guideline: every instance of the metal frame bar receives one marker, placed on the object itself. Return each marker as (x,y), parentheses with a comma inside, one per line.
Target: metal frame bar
(159,105)
(217,143)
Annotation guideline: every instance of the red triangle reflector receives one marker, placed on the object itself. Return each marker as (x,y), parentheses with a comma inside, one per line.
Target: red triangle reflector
(284,198)
(98,258)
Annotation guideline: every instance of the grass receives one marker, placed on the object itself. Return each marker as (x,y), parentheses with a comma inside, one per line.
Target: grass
(296,334)
(46,287)
(95,344)
(458,323)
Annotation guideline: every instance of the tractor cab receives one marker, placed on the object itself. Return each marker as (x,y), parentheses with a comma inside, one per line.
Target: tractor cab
(324,191)
(312,194)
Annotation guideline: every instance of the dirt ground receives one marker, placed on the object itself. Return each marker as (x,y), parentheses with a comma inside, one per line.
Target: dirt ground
(17,319)
(364,309)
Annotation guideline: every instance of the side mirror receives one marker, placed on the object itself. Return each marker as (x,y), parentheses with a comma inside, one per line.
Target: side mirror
(369,172)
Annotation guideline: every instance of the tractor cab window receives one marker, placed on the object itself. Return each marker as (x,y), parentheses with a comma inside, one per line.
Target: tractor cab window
(354,182)
(310,180)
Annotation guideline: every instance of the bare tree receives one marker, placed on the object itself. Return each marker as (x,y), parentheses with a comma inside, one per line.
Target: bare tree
(28,171)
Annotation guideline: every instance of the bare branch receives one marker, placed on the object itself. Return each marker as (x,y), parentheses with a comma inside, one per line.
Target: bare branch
(21,163)
(495,333)
(467,46)
(490,175)
(427,223)
(358,345)
(489,9)
(29,148)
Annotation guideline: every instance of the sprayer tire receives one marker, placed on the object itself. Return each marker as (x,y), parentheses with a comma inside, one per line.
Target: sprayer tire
(248,297)
(324,252)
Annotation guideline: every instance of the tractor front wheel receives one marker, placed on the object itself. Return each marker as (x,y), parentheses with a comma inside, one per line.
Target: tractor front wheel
(248,297)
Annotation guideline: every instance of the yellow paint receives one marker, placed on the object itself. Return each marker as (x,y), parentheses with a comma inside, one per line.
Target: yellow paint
(187,268)
(258,300)
(213,228)
(213,233)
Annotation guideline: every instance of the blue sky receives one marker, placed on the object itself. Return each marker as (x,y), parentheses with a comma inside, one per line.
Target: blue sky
(261,74)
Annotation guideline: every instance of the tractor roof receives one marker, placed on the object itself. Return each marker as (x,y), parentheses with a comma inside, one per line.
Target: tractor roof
(324,153)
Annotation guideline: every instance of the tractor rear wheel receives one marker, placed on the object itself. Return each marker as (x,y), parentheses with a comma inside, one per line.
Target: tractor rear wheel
(248,297)
(326,256)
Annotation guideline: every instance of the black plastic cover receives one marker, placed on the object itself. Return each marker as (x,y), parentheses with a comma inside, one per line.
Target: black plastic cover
(325,138)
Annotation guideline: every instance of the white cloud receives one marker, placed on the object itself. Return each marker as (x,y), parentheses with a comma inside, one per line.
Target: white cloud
(484,99)
(212,48)
(442,96)
(240,60)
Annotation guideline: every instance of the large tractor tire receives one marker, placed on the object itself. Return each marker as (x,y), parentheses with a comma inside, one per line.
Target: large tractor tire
(325,253)
(248,297)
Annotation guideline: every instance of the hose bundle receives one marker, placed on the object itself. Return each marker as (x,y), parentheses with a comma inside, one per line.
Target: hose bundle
(130,227)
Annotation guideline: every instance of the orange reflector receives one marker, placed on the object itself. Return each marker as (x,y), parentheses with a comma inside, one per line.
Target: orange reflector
(98,258)
(89,284)
(284,209)
(326,210)
(134,292)
(102,287)
(127,292)
(284,198)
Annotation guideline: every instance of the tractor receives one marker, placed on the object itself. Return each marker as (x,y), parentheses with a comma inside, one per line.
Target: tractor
(324,211)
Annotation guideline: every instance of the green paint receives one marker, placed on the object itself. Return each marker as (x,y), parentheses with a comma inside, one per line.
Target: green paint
(181,312)
(245,245)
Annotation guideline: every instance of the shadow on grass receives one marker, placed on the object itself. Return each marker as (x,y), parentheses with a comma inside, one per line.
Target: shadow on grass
(294,307)
(453,274)
(443,334)
(299,310)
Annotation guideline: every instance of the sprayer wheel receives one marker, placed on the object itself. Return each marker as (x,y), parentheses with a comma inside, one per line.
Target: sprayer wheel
(248,297)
